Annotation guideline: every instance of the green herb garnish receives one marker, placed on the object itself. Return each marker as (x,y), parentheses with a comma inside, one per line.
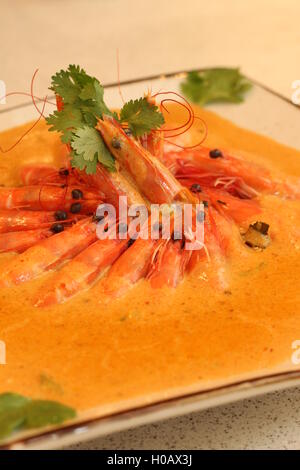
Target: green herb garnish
(20,413)
(88,144)
(83,105)
(215,85)
(142,117)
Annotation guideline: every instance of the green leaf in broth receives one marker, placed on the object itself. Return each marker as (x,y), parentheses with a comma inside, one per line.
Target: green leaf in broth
(40,413)
(10,401)
(11,413)
(20,413)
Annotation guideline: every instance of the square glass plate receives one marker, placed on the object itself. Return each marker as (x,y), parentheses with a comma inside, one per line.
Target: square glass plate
(263,112)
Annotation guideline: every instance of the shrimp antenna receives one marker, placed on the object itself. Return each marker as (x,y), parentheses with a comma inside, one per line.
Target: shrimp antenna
(183,128)
(32,95)
(26,132)
(41,112)
(118,73)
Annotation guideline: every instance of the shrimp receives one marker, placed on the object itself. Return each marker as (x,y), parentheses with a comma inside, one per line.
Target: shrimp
(154,143)
(217,241)
(16,220)
(48,253)
(92,262)
(20,241)
(169,266)
(113,185)
(201,163)
(240,210)
(81,271)
(40,174)
(47,197)
(218,169)
(153,179)
(132,266)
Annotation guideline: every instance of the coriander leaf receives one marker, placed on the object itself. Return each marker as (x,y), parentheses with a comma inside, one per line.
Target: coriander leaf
(85,141)
(92,103)
(69,83)
(11,413)
(10,421)
(92,91)
(64,85)
(215,85)
(11,401)
(83,105)
(40,413)
(88,143)
(142,117)
(65,121)
(79,162)
(82,91)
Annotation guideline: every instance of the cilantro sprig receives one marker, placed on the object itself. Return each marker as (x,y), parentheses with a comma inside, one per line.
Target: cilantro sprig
(215,85)
(83,104)
(141,116)
(88,148)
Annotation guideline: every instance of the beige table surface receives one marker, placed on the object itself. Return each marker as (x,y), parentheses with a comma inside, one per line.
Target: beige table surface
(160,36)
(261,36)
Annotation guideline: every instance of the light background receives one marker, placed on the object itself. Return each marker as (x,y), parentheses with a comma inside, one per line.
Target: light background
(261,36)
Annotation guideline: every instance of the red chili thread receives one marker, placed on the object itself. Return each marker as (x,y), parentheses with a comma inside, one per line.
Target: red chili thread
(187,147)
(187,106)
(187,125)
(41,113)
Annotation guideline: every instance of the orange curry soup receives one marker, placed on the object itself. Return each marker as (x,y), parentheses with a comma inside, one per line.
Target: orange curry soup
(152,344)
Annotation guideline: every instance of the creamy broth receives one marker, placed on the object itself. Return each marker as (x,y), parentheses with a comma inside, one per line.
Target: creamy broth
(88,352)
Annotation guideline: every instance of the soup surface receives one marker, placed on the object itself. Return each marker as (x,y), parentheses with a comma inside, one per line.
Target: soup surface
(156,343)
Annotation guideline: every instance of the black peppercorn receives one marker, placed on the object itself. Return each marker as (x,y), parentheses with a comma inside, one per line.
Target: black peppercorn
(60,215)
(115,143)
(75,208)
(77,194)
(130,242)
(196,188)
(63,172)
(215,153)
(57,228)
